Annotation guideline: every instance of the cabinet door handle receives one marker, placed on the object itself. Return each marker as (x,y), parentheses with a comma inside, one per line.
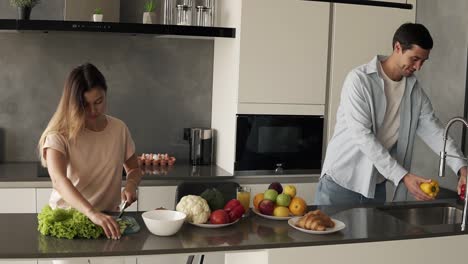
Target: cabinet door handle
(190,259)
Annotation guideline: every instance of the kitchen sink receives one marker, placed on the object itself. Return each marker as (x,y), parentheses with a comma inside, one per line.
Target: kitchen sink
(435,214)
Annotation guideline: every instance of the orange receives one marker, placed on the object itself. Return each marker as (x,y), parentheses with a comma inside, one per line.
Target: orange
(297,206)
(257,199)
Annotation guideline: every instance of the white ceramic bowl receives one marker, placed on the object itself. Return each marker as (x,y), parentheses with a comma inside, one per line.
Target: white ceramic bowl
(163,222)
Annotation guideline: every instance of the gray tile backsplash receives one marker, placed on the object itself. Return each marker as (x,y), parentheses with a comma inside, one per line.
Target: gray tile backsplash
(156,85)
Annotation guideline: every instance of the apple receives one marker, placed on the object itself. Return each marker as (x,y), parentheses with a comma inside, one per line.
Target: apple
(219,217)
(276,186)
(290,190)
(270,194)
(266,207)
(283,200)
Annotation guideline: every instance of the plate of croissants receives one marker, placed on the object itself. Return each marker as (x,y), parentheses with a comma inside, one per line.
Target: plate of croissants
(316,222)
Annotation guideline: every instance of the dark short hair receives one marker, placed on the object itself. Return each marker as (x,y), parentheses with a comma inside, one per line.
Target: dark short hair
(410,34)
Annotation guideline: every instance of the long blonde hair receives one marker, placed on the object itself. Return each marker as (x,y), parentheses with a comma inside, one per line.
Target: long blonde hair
(69,118)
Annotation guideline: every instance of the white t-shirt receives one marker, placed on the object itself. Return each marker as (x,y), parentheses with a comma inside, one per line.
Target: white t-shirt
(387,133)
(95,163)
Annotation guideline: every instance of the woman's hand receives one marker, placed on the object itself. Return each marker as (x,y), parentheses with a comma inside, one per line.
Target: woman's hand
(107,222)
(129,193)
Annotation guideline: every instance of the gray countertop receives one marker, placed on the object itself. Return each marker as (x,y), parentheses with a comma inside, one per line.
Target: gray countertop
(20,239)
(32,175)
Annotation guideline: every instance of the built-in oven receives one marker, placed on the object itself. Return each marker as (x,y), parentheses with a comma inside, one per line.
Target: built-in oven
(278,144)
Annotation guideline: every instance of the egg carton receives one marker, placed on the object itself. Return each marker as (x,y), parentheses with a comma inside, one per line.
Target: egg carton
(156,159)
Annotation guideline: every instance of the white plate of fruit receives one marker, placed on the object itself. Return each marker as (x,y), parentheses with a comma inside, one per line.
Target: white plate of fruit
(278,203)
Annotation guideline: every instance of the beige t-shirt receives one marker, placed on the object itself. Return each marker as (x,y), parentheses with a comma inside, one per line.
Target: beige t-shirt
(95,163)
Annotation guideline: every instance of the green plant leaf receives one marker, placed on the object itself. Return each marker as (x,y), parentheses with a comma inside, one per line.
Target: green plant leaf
(150,6)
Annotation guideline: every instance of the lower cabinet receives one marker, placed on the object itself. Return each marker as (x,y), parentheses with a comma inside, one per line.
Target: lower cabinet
(208,258)
(18,261)
(151,197)
(98,260)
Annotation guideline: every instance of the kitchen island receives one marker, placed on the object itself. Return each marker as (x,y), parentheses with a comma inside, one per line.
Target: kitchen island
(372,235)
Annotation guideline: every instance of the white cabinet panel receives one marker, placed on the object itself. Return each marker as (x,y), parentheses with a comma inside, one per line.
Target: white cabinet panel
(18,200)
(42,198)
(43,195)
(97,260)
(153,197)
(18,261)
(359,33)
(172,259)
(283,52)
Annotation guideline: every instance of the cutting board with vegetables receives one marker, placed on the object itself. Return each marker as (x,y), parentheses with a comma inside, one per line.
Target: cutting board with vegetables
(131,225)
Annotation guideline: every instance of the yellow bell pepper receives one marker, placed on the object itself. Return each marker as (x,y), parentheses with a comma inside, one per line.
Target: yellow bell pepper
(430,188)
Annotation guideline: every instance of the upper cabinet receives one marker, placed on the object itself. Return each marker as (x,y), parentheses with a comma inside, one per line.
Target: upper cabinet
(277,64)
(358,34)
(283,52)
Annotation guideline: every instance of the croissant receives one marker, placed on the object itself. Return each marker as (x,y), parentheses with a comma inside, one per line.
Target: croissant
(315,220)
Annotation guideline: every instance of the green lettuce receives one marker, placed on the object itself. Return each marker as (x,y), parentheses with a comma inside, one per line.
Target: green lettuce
(67,223)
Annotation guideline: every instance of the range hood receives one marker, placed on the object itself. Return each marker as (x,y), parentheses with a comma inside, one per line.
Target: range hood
(111,27)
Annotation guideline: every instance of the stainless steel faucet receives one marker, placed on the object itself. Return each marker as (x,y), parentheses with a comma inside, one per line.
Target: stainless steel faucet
(444,155)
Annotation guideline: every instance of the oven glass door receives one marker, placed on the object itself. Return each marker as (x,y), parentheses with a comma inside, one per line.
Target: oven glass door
(266,142)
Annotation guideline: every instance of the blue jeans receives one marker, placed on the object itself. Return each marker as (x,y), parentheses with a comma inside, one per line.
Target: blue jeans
(329,192)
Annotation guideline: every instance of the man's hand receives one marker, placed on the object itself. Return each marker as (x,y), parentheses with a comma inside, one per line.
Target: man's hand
(412,182)
(463,171)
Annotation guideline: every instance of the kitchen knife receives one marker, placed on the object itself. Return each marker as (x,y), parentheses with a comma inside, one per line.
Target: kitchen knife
(122,208)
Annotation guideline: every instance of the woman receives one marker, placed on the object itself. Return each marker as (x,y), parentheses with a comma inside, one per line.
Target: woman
(84,149)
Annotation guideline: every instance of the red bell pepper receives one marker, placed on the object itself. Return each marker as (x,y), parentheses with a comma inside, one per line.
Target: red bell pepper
(231,205)
(462,192)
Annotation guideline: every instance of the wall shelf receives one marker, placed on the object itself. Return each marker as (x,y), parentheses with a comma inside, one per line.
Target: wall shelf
(109,27)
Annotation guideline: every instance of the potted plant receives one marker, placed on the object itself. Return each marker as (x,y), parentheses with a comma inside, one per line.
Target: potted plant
(97,16)
(149,17)
(24,7)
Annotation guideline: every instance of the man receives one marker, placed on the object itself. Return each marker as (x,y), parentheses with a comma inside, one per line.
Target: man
(382,109)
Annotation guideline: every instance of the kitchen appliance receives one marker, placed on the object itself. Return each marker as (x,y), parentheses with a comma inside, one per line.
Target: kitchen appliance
(200,145)
(278,144)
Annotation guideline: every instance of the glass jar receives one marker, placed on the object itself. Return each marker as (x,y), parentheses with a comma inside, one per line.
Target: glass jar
(183,15)
(204,16)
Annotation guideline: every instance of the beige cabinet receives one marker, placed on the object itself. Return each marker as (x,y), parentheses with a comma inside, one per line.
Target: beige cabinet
(359,33)
(17,200)
(283,52)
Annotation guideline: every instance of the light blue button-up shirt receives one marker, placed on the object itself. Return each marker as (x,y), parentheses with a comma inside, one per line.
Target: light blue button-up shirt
(355,157)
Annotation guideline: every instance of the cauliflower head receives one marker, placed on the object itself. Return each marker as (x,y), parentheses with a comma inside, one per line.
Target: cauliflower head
(195,207)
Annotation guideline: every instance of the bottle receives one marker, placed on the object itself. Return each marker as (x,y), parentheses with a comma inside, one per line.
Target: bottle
(183,15)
